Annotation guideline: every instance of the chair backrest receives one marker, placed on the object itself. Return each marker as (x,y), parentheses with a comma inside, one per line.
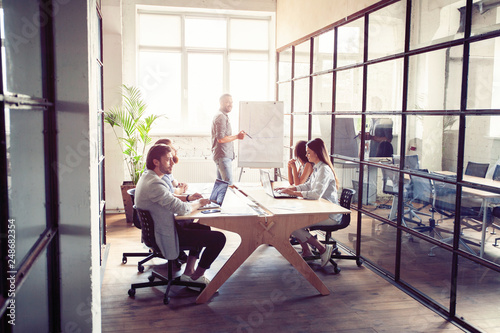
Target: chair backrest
(496,173)
(389,182)
(345,201)
(135,219)
(476,169)
(148,229)
(445,195)
(411,162)
(422,189)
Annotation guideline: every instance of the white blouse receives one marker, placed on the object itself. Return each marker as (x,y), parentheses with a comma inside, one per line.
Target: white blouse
(321,184)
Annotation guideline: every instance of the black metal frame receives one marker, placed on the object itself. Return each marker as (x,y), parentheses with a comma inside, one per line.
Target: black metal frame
(48,242)
(461,113)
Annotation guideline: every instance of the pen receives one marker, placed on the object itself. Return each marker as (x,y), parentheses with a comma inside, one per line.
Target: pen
(249,135)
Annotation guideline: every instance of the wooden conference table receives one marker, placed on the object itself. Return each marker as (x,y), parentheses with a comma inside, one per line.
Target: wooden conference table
(260,219)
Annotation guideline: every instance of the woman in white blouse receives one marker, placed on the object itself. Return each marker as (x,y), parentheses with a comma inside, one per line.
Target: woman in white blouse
(321,184)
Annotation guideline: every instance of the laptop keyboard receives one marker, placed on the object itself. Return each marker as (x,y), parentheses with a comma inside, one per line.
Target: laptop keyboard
(283,195)
(210,205)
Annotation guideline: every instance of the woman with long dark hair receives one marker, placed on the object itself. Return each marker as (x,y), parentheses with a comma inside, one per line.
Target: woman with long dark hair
(300,175)
(322,183)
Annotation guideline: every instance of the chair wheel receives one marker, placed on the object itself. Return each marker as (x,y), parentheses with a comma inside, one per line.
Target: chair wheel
(131,292)
(166,300)
(151,278)
(336,270)
(359,262)
(140,268)
(124,260)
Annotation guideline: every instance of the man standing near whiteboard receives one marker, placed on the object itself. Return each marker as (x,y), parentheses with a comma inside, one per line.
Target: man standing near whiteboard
(222,140)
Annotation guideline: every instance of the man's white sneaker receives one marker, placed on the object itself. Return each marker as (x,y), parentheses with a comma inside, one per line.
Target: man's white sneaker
(325,257)
(201,279)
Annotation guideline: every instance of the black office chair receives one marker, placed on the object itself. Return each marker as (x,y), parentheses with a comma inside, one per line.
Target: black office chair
(423,193)
(148,237)
(137,223)
(496,173)
(345,201)
(390,181)
(151,254)
(444,203)
(476,169)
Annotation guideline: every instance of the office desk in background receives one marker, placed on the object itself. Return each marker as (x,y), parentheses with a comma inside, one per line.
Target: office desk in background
(271,221)
(485,196)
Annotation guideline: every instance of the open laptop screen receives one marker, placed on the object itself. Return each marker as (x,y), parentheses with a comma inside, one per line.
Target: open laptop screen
(219,191)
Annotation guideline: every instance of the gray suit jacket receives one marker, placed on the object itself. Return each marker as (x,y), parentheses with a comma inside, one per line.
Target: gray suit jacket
(153,194)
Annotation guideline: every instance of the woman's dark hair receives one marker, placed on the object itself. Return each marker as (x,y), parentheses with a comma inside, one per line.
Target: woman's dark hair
(300,150)
(318,146)
(168,142)
(155,153)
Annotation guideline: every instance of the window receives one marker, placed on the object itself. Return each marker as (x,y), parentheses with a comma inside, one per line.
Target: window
(186,61)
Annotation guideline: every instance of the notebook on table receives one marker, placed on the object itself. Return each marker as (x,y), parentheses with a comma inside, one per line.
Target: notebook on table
(265,178)
(217,196)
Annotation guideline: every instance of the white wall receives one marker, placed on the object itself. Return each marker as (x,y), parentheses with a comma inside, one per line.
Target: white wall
(298,18)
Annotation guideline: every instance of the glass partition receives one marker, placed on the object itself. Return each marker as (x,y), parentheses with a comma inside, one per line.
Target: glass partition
(322,128)
(485,17)
(301,95)
(350,43)
(477,297)
(349,89)
(481,149)
(439,133)
(477,223)
(382,138)
(25,158)
(302,63)
(285,65)
(387,30)
(300,125)
(285,95)
(322,93)
(434,22)
(346,139)
(387,96)
(435,78)
(434,140)
(484,75)
(22,49)
(420,270)
(323,51)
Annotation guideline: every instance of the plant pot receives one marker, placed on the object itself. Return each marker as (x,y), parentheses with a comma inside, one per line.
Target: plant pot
(127,200)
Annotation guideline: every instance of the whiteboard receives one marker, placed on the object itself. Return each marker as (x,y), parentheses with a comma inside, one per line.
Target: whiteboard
(263,121)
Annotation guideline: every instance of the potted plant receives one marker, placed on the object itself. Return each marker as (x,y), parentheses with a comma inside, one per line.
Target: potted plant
(130,116)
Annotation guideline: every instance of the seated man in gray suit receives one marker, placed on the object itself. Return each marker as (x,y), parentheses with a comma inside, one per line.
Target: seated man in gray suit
(153,194)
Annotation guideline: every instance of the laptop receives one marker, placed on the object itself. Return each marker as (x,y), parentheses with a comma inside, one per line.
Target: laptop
(265,178)
(217,196)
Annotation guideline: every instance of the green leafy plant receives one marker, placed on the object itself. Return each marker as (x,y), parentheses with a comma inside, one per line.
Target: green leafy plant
(131,117)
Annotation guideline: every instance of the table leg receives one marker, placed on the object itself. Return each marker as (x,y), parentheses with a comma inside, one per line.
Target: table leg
(237,258)
(287,251)
(485,223)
